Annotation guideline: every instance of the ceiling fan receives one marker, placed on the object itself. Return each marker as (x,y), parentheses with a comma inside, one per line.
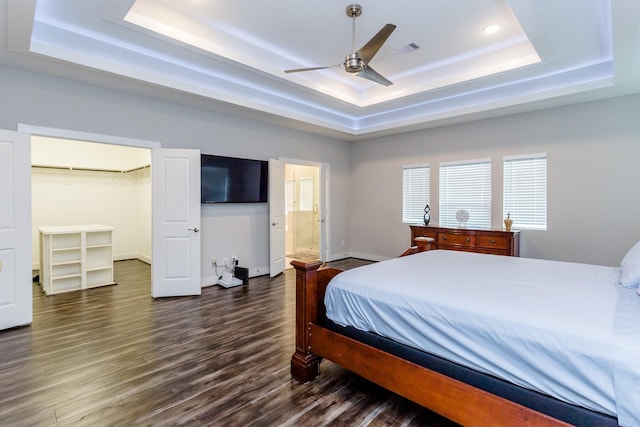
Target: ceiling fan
(358,61)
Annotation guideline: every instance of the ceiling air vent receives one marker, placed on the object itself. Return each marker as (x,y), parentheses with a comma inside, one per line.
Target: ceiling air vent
(408,48)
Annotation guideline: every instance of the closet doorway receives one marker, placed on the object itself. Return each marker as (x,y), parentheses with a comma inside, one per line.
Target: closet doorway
(302,212)
(77,182)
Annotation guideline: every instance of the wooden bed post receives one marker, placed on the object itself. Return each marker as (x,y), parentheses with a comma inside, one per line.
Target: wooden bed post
(305,366)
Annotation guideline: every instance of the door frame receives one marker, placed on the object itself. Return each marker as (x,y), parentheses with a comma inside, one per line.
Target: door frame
(89,137)
(325,196)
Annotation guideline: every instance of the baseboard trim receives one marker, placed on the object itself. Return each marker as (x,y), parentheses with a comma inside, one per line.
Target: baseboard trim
(368,257)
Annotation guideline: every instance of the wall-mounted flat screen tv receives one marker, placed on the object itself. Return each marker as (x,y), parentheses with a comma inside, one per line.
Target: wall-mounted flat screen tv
(233,180)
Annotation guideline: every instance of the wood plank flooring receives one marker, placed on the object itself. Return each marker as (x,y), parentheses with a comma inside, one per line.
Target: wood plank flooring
(114,356)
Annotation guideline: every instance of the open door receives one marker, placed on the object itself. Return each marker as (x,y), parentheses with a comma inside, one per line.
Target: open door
(175,183)
(324,212)
(277,242)
(15,230)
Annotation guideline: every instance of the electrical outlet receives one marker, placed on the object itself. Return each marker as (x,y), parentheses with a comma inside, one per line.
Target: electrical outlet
(225,260)
(214,262)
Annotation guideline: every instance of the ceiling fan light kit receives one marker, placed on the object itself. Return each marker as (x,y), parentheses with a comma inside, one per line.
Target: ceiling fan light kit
(357,62)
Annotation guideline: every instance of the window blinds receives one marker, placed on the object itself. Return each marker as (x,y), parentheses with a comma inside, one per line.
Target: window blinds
(415,192)
(466,185)
(525,191)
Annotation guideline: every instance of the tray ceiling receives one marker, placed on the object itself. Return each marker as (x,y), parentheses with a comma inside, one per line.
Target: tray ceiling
(444,68)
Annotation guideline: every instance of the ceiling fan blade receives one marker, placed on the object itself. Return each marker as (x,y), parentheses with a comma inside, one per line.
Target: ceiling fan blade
(368,51)
(371,74)
(298,70)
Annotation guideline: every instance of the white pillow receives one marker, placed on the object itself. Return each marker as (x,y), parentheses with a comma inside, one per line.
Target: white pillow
(631,267)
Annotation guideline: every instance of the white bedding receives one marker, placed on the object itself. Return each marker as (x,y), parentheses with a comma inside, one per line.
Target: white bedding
(544,325)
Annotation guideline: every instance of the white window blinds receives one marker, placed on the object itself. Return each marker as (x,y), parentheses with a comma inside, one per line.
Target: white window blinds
(525,191)
(415,192)
(466,186)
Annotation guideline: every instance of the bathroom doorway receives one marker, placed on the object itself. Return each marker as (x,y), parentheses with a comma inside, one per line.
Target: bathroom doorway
(302,212)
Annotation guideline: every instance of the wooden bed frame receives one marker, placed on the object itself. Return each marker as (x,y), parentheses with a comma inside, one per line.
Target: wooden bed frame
(453,399)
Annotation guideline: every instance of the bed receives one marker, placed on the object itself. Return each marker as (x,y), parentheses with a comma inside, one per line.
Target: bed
(481,339)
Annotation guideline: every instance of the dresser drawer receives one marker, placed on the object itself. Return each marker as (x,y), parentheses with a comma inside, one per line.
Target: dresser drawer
(498,242)
(493,242)
(491,251)
(451,239)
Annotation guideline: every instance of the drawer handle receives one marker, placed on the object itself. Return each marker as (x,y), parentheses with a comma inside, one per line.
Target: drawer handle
(492,241)
(444,237)
(467,240)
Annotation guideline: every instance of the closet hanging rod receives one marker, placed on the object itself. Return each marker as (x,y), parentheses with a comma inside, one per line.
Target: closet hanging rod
(71,168)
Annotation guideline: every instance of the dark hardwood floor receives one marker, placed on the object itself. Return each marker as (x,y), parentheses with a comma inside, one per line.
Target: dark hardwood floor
(114,356)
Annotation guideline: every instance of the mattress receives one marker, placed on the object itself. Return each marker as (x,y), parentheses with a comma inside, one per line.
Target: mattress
(563,329)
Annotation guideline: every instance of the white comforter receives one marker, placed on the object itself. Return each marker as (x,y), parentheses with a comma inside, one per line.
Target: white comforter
(564,329)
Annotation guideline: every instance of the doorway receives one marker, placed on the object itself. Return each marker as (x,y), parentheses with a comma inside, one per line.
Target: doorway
(82,182)
(124,146)
(180,167)
(302,212)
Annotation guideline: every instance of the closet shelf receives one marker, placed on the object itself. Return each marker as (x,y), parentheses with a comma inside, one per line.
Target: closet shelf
(71,168)
(69,248)
(66,262)
(66,276)
(106,267)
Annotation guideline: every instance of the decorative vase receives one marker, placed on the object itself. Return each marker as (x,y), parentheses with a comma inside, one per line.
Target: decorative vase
(427,216)
(507,222)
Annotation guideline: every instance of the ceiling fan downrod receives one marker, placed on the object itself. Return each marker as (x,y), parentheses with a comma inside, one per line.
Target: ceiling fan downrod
(353,62)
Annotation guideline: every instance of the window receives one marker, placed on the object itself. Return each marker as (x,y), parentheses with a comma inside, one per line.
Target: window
(288,195)
(466,185)
(415,192)
(306,194)
(525,191)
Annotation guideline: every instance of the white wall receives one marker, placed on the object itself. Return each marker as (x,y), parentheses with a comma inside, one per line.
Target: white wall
(593,173)
(593,150)
(141,206)
(67,153)
(41,100)
(83,198)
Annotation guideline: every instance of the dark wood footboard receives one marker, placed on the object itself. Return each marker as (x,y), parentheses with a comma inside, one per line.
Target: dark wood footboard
(451,398)
(311,284)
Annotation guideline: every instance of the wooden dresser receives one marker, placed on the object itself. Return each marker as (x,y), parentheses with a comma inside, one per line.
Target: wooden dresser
(498,242)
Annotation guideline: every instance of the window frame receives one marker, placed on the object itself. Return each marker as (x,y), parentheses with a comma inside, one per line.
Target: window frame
(453,198)
(535,212)
(420,195)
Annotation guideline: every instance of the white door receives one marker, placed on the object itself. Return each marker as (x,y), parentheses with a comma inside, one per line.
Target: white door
(276,218)
(324,213)
(15,230)
(175,183)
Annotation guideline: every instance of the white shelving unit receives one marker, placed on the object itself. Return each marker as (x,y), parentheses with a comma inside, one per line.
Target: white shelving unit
(75,257)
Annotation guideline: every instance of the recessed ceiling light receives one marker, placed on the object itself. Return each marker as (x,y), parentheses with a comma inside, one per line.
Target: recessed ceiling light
(491,28)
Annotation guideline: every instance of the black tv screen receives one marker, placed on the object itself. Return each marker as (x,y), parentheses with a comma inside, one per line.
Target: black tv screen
(233,180)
